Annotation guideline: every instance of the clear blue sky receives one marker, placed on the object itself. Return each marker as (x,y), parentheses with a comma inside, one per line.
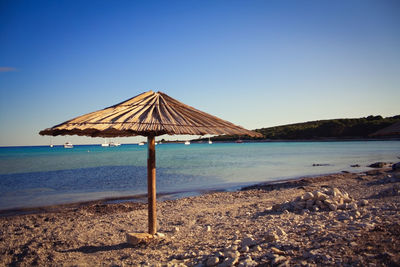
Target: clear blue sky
(254,63)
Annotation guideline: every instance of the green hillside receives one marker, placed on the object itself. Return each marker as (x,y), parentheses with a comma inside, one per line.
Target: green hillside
(336,129)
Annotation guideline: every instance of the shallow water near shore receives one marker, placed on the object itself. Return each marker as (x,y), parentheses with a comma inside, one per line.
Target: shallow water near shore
(39,176)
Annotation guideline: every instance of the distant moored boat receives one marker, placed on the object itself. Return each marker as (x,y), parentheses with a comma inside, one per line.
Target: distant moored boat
(187,143)
(105,144)
(110,144)
(68,145)
(114,144)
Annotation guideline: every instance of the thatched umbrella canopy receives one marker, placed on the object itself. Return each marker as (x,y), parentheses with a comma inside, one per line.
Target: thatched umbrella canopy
(149,114)
(393,129)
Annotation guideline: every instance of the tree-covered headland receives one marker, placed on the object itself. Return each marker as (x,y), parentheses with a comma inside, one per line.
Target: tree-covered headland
(359,128)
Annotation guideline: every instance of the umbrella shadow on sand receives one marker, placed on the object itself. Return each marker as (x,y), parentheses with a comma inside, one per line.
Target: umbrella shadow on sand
(120,246)
(94,249)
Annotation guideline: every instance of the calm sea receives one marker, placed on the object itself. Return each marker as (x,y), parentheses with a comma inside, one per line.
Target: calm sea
(38,176)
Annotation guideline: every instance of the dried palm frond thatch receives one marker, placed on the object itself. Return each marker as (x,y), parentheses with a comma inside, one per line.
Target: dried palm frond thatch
(148,114)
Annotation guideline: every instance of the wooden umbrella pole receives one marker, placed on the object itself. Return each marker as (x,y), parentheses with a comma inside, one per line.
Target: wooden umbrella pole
(151,185)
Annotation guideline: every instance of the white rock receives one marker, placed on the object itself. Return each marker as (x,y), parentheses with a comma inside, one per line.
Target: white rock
(329,201)
(244,249)
(332,207)
(277,251)
(280,232)
(232,254)
(278,259)
(237,242)
(284,264)
(175,264)
(308,196)
(326,257)
(219,254)
(248,262)
(300,205)
(159,235)
(228,262)
(248,241)
(271,236)
(336,192)
(310,254)
(309,203)
(231,248)
(319,204)
(363,202)
(346,200)
(353,206)
(343,216)
(320,196)
(328,191)
(276,207)
(212,261)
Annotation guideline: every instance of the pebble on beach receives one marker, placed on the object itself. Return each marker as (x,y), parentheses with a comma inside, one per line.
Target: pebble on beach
(331,220)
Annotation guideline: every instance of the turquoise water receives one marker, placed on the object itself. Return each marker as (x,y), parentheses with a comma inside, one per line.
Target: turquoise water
(37,176)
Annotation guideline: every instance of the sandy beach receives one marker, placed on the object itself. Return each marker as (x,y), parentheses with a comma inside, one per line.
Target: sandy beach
(340,219)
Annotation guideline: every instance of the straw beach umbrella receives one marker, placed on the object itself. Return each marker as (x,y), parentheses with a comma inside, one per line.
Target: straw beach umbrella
(149,114)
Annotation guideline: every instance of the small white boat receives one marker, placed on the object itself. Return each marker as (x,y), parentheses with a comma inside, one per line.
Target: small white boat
(105,145)
(51,145)
(141,144)
(187,143)
(110,144)
(209,141)
(68,145)
(114,144)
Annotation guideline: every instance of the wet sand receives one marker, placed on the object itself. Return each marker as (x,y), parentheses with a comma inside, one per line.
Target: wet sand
(262,225)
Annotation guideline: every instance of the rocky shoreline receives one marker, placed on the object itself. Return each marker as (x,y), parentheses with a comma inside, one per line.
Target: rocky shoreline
(345,219)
